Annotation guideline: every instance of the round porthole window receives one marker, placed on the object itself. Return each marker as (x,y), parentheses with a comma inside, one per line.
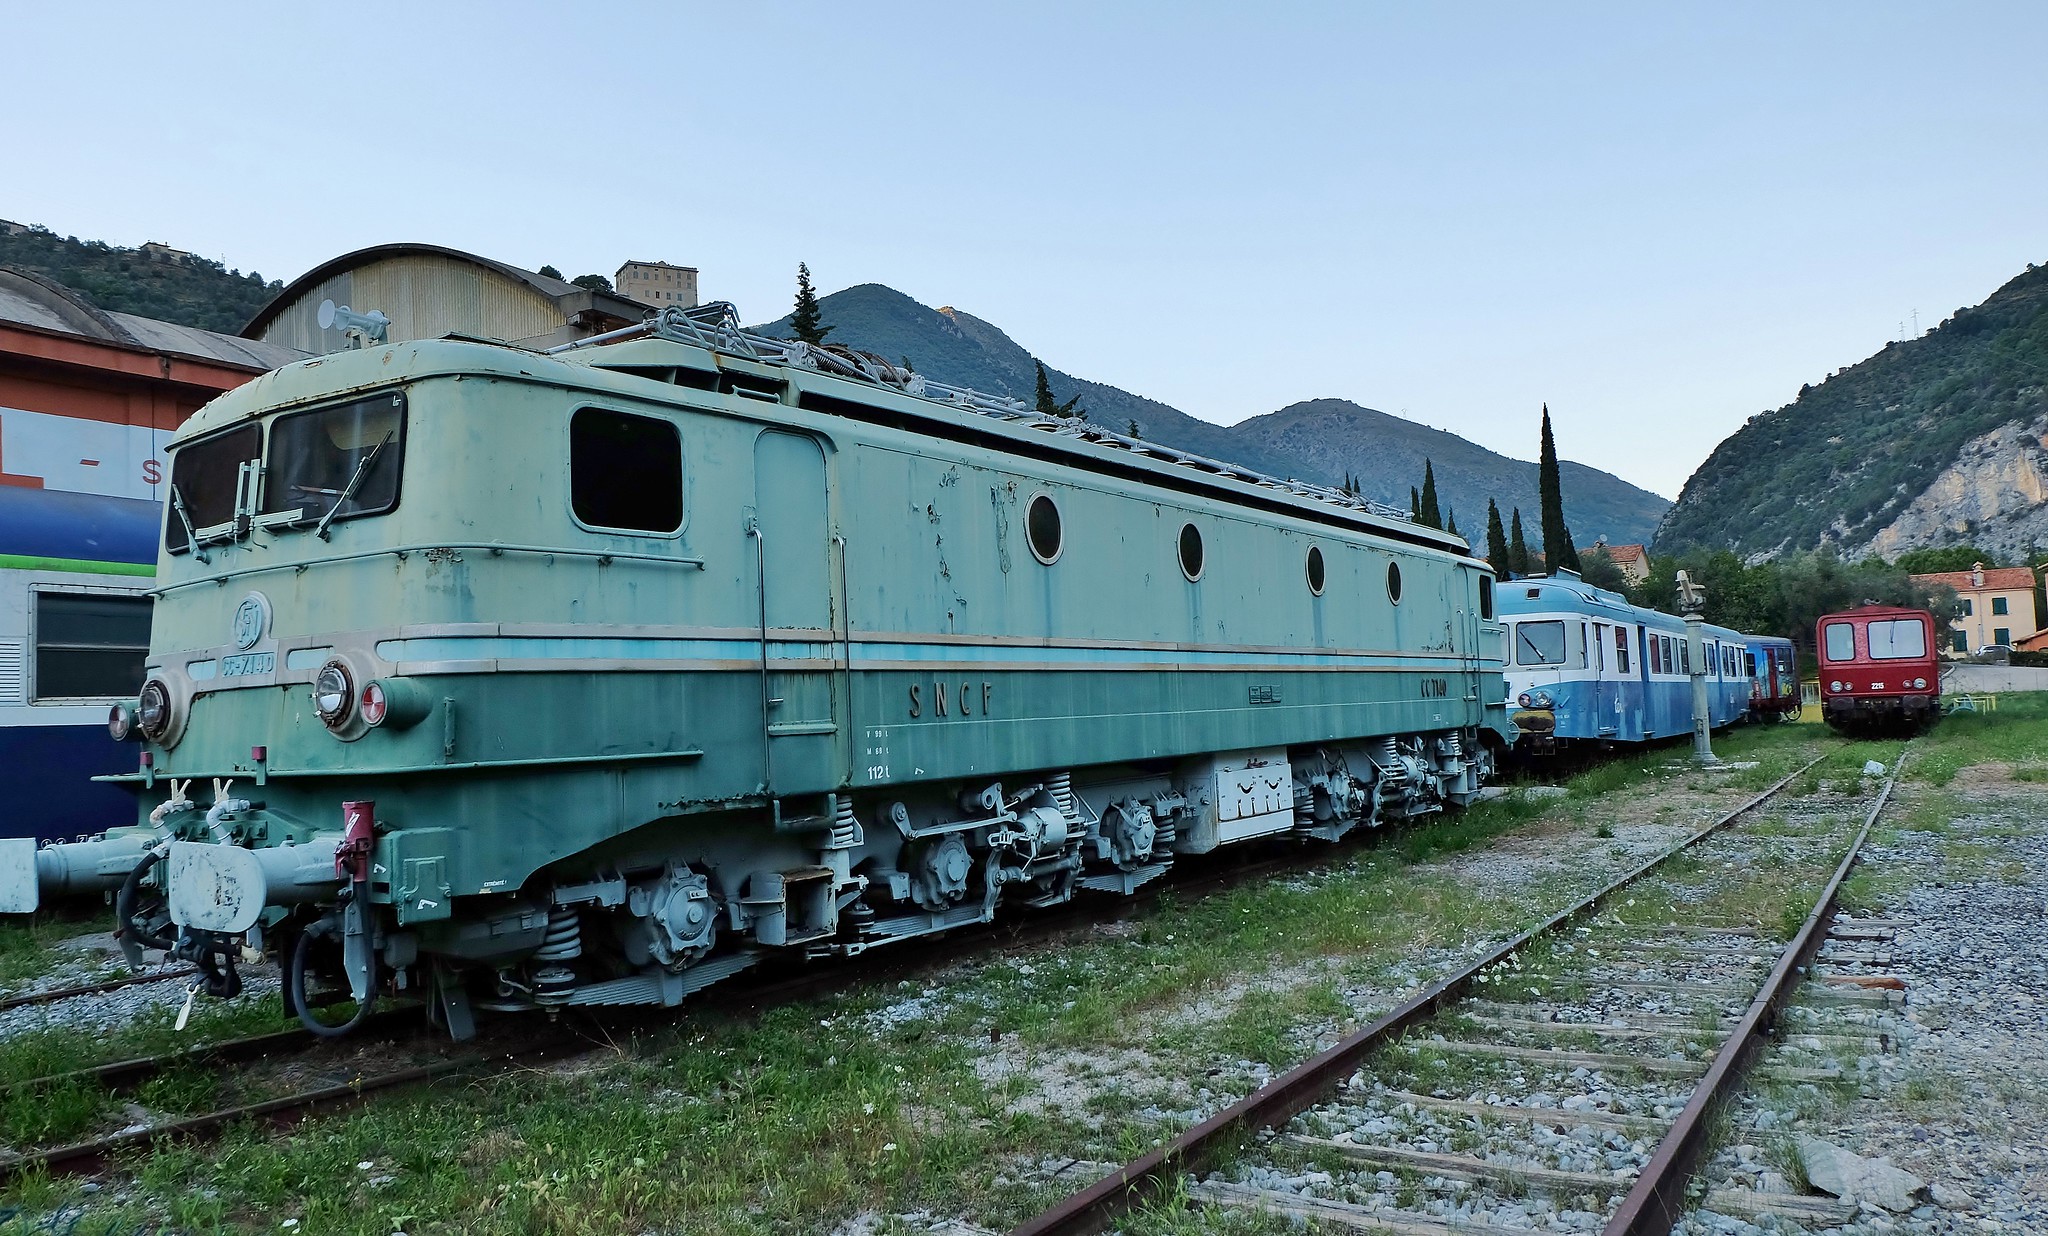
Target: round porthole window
(1042,528)
(1394,582)
(1315,569)
(1191,551)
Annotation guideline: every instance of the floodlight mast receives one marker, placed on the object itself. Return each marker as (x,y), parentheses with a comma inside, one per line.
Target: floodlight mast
(1692,597)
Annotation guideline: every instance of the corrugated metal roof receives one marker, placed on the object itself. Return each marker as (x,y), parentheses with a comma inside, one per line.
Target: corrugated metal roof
(191,341)
(29,299)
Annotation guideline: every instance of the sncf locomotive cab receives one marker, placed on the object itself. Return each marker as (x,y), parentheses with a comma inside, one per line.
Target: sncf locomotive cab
(1878,670)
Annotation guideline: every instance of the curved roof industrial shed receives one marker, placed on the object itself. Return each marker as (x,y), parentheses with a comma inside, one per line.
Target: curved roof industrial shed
(428,291)
(28,299)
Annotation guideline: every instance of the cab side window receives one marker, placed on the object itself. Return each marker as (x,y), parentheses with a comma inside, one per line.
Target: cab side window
(625,471)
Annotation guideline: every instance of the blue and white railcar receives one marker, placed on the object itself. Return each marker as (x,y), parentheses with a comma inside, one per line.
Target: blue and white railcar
(1586,666)
(75,574)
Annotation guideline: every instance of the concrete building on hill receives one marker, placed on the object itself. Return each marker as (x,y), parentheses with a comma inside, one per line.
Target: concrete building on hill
(658,283)
(1998,605)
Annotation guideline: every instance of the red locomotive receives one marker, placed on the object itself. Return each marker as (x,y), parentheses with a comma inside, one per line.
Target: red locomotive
(1877,670)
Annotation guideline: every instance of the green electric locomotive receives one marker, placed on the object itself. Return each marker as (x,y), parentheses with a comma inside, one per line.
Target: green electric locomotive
(530,680)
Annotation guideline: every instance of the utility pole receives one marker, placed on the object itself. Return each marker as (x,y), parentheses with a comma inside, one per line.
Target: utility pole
(1691,597)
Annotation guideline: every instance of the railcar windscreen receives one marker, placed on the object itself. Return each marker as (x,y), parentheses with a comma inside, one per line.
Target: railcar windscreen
(345,459)
(1896,639)
(203,476)
(1840,638)
(1539,643)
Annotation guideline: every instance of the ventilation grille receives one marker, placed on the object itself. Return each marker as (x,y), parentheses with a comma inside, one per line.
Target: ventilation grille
(11,678)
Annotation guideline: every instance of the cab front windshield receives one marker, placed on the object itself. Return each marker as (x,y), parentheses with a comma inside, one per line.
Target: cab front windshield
(342,460)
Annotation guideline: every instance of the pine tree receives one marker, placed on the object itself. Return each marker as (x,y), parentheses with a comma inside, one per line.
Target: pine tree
(1496,540)
(1518,548)
(1428,512)
(1558,552)
(1044,404)
(806,321)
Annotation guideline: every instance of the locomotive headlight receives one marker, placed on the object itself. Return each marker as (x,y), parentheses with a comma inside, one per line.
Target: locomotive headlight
(334,694)
(1919,684)
(1523,699)
(121,721)
(152,711)
(1836,685)
(1543,700)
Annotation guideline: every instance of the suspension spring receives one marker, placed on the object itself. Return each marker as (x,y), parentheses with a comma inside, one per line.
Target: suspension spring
(846,831)
(564,938)
(1061,787)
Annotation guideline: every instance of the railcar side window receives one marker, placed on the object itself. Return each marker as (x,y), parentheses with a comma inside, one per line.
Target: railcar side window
(625,471)
(203,478)
(1539,643)
(1840,638)
(1394,582)
(1486,596)
(1042,528)
(1621,649)
(1315,576)
(346,460)
(1897,639)
(1191,551)
(90,645)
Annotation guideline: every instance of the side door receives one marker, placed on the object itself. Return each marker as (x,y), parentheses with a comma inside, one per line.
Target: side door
(801,616)
(1607,688)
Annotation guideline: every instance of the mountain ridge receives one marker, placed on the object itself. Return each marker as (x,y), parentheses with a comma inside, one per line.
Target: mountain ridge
(1928,442)
(1321,440)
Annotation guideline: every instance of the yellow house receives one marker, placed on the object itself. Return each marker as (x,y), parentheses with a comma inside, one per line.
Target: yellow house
(1998,605)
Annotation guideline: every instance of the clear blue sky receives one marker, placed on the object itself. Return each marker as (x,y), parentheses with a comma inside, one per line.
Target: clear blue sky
(1661,219)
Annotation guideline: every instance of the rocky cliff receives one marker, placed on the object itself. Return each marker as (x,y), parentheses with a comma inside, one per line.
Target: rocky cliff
(1994,495)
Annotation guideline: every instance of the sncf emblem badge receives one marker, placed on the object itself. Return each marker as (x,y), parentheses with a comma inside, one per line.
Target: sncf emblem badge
(252,619)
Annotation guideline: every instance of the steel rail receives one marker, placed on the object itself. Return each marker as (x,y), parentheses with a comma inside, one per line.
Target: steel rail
(96,1154)
(1658,1199)
(1152,1176)
(55,994)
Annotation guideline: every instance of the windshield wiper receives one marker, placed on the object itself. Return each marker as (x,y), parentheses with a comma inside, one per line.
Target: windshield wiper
(185,518)
(349,490)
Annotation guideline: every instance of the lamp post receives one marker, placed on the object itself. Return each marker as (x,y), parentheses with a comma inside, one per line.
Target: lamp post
(1691,597)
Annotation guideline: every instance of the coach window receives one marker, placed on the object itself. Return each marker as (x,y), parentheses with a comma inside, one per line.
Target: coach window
(1897,639)
(1315,570)
(1486,597)
(1840,641)
(1042,528)
(625,471)
(1539,643)
(1394,582)
(89,645)
(1191,551)
(204,476)
(1621,649)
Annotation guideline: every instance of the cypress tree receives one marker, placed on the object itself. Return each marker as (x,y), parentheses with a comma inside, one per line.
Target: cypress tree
(1557,539)
(1415,503)
(1496,540)
(805,322)
(1044,404)
(1428,511)
(1451,522)
(1518,548)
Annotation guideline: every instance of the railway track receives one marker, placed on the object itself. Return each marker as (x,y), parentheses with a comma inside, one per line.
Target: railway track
(57,994)
(1656,1032)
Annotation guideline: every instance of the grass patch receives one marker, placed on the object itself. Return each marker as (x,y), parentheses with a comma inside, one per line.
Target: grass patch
(29,943)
